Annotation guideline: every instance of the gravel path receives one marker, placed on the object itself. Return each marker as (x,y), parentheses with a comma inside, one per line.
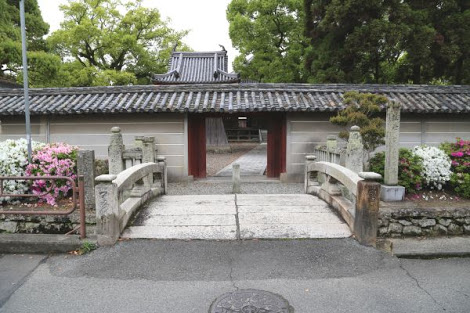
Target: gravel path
(202,187)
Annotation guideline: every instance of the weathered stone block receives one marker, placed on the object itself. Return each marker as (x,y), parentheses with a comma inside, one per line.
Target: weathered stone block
(405,222)
(445,221)
(466,229)
(355,151)
(383,222)
(440,229)
(86,167)
(395,228)
(392,193)
(467,220)
(9,227)
(426,222)
(383,231)
(392,134)
(412,231)
(455,229)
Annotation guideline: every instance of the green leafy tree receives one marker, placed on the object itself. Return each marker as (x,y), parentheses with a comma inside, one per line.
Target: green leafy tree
(363,110)
(41,63)
(269,36)
(110,46)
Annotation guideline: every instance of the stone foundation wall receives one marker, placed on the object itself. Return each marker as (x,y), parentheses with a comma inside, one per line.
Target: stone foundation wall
(407,222)
(46,224)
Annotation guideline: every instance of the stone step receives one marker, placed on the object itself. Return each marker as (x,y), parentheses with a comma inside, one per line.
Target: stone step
(190,209)
(321,208)
(288,218)
(191,220)
(291,231)
(182,232)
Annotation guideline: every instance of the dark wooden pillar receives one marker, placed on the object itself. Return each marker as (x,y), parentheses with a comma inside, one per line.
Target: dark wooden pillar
(197,146)
(277,136)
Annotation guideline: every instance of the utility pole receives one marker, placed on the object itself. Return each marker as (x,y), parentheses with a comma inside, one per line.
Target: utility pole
(25,80)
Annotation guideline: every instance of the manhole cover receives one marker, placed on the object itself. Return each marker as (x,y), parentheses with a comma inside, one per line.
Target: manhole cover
(250,301)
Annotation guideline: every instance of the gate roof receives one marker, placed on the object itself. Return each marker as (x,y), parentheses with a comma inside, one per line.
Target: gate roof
(228,98)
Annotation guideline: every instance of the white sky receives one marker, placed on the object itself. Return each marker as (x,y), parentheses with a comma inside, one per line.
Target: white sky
(204,18)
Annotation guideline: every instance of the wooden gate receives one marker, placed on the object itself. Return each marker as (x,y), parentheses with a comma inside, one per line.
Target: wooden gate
(276,153)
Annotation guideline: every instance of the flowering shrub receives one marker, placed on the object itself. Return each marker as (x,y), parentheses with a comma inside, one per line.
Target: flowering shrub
(459,153)
(436,166)
(409,169)
(13,161)
(53,160)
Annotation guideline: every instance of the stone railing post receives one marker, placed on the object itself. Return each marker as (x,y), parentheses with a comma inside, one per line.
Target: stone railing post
(86,167)
(331,146)
(161,160)
(309,159)
(107,210)
(355,151)
(148,149)
(115,151)
(367,208)
(236,181)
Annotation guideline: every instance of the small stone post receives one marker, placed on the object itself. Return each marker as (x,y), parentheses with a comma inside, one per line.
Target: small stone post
(392,134)
(148,149)
(355,151)
(107,210)
(86,167)
(115,150)
(161,160)
(331,146)
(236,178)
(309,159)
(367,208)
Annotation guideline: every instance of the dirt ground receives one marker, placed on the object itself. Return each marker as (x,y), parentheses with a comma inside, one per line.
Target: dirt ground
(217,161)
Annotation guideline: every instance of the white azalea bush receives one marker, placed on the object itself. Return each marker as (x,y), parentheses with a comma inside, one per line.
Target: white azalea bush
(436,166)
(13,162)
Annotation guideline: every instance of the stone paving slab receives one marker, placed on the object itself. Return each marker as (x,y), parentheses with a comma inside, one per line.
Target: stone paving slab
(182,232)
(292,231)
(288,218)
(323,208)
(191,220)
(190,209)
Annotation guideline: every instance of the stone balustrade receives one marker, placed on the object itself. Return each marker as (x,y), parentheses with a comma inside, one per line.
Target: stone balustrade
(330,153)
(355,196)
(118,196)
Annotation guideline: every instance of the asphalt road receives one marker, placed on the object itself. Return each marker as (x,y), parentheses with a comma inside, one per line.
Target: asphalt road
(334,275)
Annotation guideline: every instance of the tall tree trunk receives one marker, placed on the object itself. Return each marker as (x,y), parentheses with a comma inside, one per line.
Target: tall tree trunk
(417,74)
(215,132)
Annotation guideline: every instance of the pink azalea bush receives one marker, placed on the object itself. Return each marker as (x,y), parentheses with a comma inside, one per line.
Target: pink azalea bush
(56,159)
(459,153)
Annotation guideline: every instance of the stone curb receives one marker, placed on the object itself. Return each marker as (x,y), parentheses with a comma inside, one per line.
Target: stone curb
(429,248)
(39,243)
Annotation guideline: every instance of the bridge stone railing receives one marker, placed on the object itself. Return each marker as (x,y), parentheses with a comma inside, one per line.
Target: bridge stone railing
(118,196)
(355,196)
(330,152)
(353,193)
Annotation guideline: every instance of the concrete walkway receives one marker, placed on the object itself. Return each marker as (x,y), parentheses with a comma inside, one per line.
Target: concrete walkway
(251,164)
(241,216)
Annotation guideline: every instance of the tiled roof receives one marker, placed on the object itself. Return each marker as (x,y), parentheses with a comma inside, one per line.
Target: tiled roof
(197,68)
(227,98)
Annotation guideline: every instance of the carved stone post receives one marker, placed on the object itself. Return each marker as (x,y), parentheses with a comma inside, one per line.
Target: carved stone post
(355,151)
(309,159)
(367,208)
(236,178)
(391,191)
(148,149)
(115,150)
(331,146)
(86,167)
(107,210)
(392,134)
(162,162)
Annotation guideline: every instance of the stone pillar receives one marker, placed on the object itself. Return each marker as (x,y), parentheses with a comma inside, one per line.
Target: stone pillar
(392,134)
(115,150)
(355,151)
(309,159)
(86,167)
(331,143)
(148,149)
(107,210)
(236,178)
(162,162)
(367,208)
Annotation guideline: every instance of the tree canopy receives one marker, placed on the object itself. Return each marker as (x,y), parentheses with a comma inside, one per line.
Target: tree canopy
(105,42)
(352,41)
